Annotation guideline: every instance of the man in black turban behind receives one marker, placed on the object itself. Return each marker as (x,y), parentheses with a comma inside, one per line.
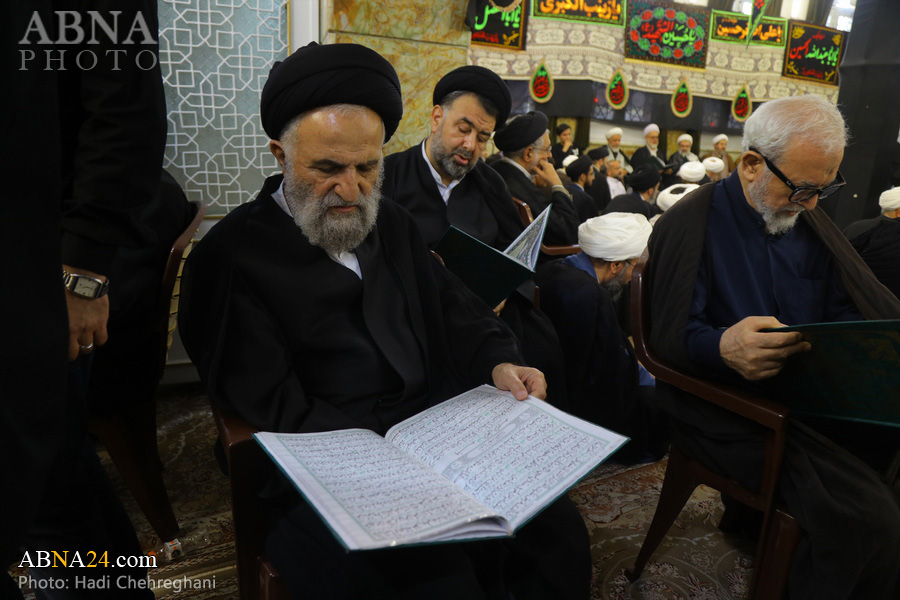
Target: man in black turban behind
(318,307)
(525,142)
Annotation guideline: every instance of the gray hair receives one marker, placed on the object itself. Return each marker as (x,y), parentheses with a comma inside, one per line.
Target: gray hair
(520,153)
(809,119)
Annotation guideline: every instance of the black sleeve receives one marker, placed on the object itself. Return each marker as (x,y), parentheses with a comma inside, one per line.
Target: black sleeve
(113,125)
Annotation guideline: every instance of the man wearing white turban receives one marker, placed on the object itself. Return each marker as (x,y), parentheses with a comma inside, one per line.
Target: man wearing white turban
(651,153)
(693,172)
(878,240)
(714,167)
(680,157)
(720,145)
(581,294)
(613,143)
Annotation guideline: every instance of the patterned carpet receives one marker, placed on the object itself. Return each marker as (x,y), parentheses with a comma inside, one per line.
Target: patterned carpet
(696,561)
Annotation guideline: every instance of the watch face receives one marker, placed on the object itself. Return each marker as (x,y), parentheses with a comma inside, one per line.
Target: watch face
(86,287)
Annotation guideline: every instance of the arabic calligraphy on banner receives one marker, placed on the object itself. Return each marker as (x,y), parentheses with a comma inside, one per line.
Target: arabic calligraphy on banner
(732,27)
(813,52)
(499,28)
(609,12)
(661,33)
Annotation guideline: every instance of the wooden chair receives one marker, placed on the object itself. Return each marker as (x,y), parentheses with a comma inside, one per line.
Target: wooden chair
(129,431)
(257,578)
(528,218)
(780,532)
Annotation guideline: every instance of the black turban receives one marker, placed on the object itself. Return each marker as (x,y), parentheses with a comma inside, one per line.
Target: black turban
(522,131)
(598,153)
(477,80)
(562,127)
(316,76)
(644,178)
(578,167)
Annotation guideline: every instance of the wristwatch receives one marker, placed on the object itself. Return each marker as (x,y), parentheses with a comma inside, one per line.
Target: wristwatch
(85,286)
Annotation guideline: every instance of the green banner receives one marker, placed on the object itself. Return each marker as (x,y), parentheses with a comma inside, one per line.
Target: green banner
(813,52)
(663,33)
(732,27)
(607,12)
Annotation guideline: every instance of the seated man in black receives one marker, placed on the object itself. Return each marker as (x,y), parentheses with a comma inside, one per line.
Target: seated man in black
(318,307)
(645,185)
(525,142)
(752,252)
(580,294)
(878,240)
(581,171)
(443,182)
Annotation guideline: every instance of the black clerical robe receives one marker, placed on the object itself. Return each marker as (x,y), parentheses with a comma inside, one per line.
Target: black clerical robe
(879,247)
(562,226)
(817,475)
(632,203)
(602,375)
(480,204)
(290,340)
(599,191)
(559,155)
(584,204)
(642,156)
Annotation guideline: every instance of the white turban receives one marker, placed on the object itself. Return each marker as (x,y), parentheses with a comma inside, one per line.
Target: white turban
(685,137)
(692,171)
(651,128)
(614,236)
(614,131)
(890,199)
(569,160)
(713,164)
(673,194)
(719,138)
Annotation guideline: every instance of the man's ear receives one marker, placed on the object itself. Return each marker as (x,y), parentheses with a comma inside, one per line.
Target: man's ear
(751,165)
(437,113)
(277,151)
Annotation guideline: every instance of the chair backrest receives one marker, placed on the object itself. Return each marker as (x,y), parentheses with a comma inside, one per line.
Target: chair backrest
(528,218)
(171,283)
(245,458)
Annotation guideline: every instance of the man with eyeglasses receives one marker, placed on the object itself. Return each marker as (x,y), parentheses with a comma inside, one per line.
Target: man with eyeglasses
(752,252)
(525,142)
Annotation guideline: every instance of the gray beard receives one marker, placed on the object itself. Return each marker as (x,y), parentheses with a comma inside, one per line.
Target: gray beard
(444,157)
(775,224)
(616,285)
(334,233)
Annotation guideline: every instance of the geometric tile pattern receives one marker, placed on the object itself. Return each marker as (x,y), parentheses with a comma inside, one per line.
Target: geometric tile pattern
(215,56)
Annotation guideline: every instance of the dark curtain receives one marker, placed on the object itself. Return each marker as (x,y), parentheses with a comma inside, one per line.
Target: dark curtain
(721,5)
(817,12)
(774,8)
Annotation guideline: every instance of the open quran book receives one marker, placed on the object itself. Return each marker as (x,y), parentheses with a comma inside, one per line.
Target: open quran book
(479,465)
(491,274)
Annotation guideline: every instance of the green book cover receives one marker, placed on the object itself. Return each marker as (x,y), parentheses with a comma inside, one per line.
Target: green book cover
(491,274)
(851,372)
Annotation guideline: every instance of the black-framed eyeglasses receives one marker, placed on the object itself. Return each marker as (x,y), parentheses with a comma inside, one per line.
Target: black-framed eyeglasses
(800,193)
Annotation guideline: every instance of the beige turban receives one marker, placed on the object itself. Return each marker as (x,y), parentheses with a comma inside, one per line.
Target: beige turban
(692,171)
(890,199)
(651,128)
(614,236)
(719,138)
(614,131)
(685,137)
(673,194)
(713,164)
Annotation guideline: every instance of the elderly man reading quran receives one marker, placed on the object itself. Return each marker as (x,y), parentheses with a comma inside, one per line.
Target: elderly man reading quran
(318,307)
(752,252)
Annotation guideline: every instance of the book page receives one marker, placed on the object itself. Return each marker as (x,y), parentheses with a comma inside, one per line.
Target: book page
(369,492)
(526,248)
(515,456)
